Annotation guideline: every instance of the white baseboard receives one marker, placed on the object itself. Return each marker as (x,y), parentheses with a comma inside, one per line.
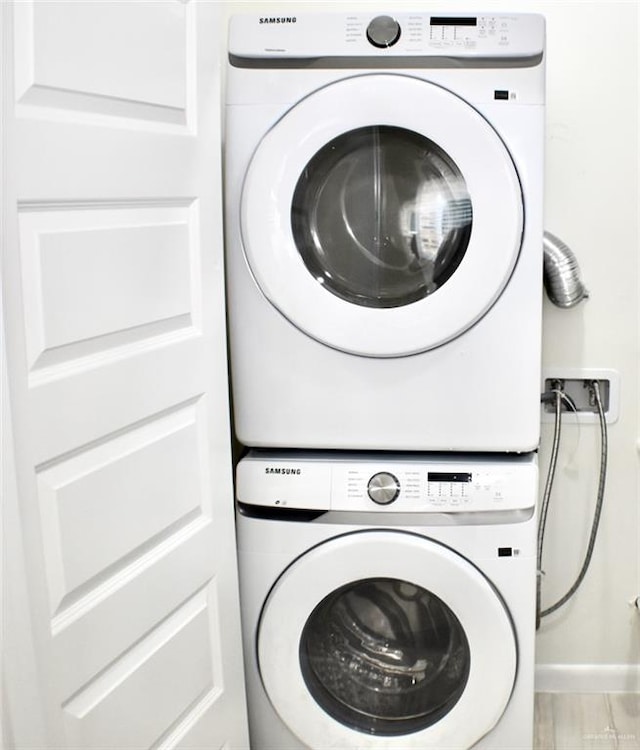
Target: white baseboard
(587,678)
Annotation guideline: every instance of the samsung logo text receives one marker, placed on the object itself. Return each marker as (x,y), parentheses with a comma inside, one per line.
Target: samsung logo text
(279,19)
(271,470)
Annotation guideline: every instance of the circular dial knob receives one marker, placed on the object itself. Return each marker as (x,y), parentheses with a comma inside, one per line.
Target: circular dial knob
(383,488)
(383,31)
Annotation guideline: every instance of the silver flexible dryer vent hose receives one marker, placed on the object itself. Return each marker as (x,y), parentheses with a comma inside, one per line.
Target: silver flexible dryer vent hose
(561,273)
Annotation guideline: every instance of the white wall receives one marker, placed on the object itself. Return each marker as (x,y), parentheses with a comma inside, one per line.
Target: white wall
(592,204)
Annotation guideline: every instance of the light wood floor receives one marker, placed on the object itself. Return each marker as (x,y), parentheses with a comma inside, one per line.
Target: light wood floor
(567,721)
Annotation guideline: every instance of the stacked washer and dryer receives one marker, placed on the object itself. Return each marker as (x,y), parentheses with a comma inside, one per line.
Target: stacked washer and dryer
(384,260)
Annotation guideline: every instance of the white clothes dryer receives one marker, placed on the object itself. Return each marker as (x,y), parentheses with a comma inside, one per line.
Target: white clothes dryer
(384,230)
(388,602)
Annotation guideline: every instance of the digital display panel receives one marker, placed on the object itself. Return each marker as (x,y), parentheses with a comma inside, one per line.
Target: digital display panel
(449,476)
(453,21)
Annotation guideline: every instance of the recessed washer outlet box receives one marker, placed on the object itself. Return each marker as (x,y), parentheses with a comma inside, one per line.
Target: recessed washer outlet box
(575,383)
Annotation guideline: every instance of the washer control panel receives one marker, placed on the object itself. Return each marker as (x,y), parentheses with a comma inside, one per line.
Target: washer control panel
(401,485)
(425,489)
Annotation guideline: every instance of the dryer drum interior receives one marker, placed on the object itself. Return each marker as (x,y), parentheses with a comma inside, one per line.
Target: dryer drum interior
(384,656)
(381,216)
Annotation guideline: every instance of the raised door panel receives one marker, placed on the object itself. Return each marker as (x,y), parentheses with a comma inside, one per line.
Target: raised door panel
(98,279)
(112,502)
(134,57)
(165,674)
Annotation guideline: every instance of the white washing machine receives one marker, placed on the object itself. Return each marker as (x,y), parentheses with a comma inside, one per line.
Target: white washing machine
(384,230)
(388,601)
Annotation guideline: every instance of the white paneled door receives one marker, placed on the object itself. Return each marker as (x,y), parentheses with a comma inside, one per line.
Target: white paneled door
(120,621)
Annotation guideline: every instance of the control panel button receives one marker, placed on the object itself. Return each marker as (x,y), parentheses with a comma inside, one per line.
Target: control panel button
(383,31)
(383,488)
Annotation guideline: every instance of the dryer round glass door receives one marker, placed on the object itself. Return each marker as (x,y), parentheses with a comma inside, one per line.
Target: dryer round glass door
(385,638)
(382,215)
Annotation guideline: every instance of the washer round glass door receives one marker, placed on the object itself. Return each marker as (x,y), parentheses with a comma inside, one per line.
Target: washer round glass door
(390,636)
(382,215)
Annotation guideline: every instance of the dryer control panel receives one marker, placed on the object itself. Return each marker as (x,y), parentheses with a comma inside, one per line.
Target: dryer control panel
(393,483)
(316,36)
